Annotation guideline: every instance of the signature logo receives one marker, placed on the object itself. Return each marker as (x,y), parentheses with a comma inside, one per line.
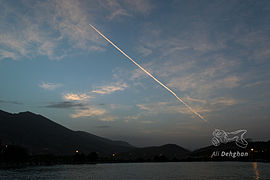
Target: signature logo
(220,136)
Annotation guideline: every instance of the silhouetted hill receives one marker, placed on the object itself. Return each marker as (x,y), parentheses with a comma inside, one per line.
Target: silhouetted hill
(40,135)
(231,146)
(256,151)
(156,153)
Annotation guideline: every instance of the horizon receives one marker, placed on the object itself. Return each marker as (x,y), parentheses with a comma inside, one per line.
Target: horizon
(191,150)
(213,55)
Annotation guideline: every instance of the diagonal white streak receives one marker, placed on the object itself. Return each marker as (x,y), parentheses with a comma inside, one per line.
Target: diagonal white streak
(163,85)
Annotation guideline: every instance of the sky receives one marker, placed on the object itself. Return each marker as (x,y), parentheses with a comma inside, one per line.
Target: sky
(214,54)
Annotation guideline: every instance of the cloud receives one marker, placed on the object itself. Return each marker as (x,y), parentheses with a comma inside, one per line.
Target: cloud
(227,82)
(183,83)
(224,101)
(202,106)
(129,118)
(114,9)
(58,28)
(109,118)
(257,43)
(204,83)
(169,108)
(50,86)
(27,39)
(91,111)
(88,112)
(138,73)
(118,12)
(154,108)
(127,8)
(71,20)
(144,51)
(195,100)
(65,104)
(111,88)
(257,83)
(76,97)
(141,6)
(144,107)
(52,28)
(188,76)
(7,54)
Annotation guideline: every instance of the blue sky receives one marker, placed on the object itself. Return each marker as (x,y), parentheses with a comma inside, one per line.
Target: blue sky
(213,54)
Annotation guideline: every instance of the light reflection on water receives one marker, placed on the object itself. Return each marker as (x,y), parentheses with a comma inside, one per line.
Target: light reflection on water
(172,170)
(255,167)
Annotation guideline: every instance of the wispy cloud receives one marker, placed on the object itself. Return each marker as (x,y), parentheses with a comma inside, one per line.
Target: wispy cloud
(224,101)
(155,108)
(108,89)
(141,6)
(131,118)
(168,108)
(144,51)
(114,8)
(71,20)
(50,28)
(50,86)
(202,106)
(144,107)
(88,112)
(138,73)
(76,97)
(65,104)
(28,39)
(195,100)
(188,77)
(227,82)
(118,12)
(126,8)
(257,41)
(204,81)
(257,83)
(109,118)
(7,54)
(58,28)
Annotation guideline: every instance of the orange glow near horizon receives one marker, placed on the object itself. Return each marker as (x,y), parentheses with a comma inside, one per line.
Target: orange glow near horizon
(255,167)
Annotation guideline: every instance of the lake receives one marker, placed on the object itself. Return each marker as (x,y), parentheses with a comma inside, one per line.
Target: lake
(140,171)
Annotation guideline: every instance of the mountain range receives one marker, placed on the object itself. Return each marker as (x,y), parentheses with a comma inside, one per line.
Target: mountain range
(40,135)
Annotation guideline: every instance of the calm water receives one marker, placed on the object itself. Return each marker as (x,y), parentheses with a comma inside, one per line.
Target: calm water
(139,171)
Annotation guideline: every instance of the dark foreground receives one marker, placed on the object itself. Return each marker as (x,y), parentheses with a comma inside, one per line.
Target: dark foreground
(12,156)
(170,170)
(28,139)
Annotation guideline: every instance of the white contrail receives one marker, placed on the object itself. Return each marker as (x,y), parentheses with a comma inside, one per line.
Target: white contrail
(163,85)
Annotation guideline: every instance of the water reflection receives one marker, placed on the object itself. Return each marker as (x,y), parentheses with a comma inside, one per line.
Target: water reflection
(256,171)
(149,171)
